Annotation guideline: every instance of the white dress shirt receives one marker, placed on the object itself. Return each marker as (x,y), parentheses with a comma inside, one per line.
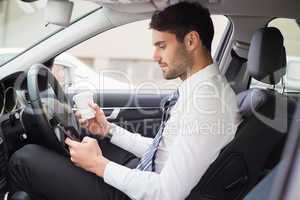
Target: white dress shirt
(203,120)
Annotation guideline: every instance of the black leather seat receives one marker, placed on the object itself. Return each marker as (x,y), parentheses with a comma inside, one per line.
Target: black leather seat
(20,196)
(260,137)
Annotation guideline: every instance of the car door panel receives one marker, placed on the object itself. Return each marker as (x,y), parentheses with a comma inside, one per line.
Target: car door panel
(139,112)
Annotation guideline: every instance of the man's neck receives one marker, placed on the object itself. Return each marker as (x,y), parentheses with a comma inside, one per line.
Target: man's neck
(197,66)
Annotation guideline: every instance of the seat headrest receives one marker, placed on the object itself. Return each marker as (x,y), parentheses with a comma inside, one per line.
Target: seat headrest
(266,58)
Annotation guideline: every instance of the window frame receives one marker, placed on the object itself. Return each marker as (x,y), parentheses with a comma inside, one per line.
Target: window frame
(220,48)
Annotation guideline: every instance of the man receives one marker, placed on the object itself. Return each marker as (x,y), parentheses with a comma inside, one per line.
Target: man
(199,119)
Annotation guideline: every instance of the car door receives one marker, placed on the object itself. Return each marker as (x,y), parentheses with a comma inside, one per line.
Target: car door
(136,112)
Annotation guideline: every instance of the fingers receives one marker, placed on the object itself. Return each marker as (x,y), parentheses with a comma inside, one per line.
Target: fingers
(79,117)
(83,122)
(78,114)
(87,139)
(71,143)
(95,107)
(72,158)
(71,153)
(100,116)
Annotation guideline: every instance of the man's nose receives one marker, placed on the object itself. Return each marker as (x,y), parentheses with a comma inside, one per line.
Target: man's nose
(156,56)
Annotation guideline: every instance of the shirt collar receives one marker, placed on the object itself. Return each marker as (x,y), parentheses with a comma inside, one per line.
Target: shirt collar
(201,75)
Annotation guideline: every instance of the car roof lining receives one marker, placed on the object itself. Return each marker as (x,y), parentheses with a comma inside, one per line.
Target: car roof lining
(113,18)
(279,8)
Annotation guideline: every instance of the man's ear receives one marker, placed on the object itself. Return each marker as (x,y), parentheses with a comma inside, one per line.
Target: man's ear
(192,40)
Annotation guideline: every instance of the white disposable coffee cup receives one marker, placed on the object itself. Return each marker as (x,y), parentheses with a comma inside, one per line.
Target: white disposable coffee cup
(82,101)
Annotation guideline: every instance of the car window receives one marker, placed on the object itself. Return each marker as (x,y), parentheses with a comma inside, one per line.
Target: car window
(28,19)
(121,58)
(291,34)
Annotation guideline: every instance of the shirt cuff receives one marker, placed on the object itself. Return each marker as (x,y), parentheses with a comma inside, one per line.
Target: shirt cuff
(118,133)
(115,175)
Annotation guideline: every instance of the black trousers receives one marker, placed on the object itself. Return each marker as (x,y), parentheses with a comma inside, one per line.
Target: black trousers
(46,175)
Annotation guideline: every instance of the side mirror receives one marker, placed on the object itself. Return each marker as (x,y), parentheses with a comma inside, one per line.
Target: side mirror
(58,12)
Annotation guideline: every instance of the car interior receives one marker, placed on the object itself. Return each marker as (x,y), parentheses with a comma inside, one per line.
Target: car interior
(251,51)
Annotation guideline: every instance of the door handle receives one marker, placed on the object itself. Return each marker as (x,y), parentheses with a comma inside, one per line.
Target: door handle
(114,114)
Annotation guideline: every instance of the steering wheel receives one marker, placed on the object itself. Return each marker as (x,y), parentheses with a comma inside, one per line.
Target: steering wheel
(52,109)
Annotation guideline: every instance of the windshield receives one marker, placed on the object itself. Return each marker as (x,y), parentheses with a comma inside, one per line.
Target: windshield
(22,24)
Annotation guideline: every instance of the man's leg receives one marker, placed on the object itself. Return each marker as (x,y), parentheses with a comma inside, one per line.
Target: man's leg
(46,175)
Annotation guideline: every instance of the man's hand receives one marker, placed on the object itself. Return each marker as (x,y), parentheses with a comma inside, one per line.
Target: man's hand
(97,125)
(87,155)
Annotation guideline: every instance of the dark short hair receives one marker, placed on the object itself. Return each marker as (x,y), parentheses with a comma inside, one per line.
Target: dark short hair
(182,18)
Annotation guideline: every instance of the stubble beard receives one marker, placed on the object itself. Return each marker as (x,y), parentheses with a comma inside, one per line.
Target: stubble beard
(180,66)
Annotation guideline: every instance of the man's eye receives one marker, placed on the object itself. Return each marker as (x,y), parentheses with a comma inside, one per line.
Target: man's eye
(162,46)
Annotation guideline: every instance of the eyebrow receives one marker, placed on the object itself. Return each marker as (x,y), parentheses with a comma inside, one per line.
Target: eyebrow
(159,43)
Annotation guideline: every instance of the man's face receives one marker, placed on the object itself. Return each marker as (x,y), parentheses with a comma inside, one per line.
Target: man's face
(171,55)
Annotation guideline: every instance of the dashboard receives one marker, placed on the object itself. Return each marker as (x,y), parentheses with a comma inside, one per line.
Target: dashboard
(12,101)
(8,101)
(17,122)
(12,93)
